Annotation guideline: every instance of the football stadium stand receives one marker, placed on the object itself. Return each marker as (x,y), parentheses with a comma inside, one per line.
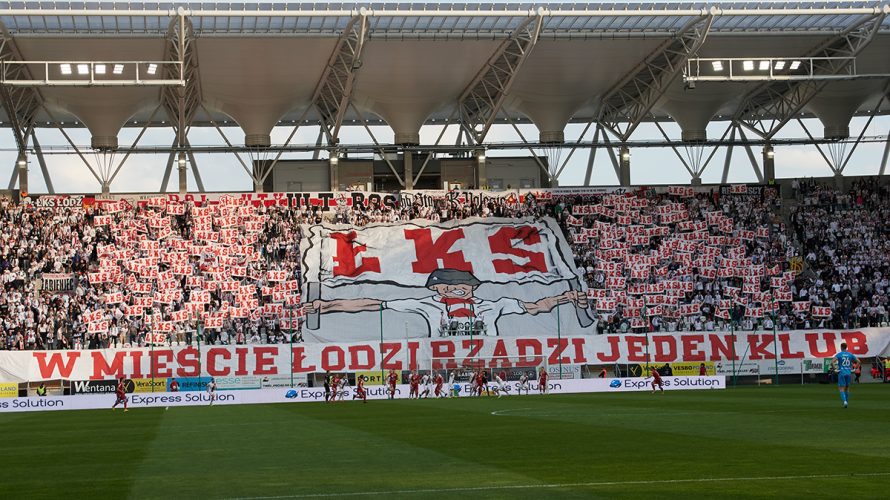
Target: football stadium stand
(669,259)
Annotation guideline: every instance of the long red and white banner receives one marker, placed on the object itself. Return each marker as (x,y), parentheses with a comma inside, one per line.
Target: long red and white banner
(308,394)
(268,360)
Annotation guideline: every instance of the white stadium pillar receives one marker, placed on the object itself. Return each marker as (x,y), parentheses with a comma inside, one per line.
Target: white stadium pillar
(769,164)
(409,170)
(481,178)
(624,166)
(22,165)
(183,178)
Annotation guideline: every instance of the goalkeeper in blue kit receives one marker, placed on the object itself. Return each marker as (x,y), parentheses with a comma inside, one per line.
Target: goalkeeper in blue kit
(845,362)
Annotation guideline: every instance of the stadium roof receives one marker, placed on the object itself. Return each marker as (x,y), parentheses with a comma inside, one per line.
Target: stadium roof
(406,64)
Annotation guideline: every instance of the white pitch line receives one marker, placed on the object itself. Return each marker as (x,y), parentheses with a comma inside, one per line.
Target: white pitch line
(501,412)
(565,485)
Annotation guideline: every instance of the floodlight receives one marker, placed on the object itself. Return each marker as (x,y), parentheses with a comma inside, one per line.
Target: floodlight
(83,69)
(780,65)
(748,65)
(795,65)
(764,65)
(65,68)
(99,69)
(718,65)
(152,68)
(118,69)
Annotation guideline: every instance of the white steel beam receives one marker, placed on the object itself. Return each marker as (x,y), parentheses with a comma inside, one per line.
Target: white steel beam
(38,152)
(182,103)
(481,101)
(728,159)
(334,90)
(632,98)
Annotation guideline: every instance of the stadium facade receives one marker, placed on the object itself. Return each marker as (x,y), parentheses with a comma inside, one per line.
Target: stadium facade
(753,67)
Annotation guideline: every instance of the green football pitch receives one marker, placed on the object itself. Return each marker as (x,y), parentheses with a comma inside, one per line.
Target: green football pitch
(786,442)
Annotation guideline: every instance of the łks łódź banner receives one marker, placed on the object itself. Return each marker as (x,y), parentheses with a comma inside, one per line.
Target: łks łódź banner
(492,277)
(439,353)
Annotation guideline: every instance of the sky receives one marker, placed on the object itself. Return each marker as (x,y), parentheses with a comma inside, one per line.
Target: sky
(222,172)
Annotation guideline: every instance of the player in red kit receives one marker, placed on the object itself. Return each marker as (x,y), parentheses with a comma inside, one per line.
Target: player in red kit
(391,380)
(334,387)
(360,389)
(480,382)
(414,383)
(656,379)
(542,381)
(120,393)
(439,392)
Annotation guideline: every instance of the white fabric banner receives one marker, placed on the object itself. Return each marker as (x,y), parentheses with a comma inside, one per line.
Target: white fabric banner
(474,276)
(316,394)
(426,353)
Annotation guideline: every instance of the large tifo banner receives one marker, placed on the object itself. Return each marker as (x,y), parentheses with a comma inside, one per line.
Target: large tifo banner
(308,395)
(494,277)
(445,353)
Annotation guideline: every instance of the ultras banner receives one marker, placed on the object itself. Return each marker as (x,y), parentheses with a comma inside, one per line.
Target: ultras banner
(499,352)
(495,277)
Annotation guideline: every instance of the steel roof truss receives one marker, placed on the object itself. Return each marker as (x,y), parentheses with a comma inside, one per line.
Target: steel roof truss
(181,102)
(481,101)
(334,89)
(631,100)
(767,108)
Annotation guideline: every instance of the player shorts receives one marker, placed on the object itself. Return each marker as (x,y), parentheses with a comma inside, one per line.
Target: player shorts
(843,380)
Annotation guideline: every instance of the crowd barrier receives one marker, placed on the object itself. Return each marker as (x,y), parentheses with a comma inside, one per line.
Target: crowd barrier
(316,394)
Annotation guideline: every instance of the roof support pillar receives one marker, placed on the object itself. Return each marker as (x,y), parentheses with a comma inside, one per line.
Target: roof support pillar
(38,152)
(768,107)
(183,172)
(591,155)
(22,166)
(334,90)
(624,166)
(751,158)
(334,167)
(167,170)
(194,164)
(769,164)
(181,103)
(481,174)
(631,100)
(20,103)
(728,159)
(483,98)
(883,168)
(408,161)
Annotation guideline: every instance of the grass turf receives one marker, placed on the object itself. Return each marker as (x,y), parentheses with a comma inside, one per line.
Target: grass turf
(789,442)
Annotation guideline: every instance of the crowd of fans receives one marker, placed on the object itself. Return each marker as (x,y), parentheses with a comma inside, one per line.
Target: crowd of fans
(845,241)
(665,260)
